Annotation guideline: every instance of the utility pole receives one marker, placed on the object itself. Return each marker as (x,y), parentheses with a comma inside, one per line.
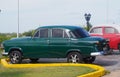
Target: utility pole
(18,22)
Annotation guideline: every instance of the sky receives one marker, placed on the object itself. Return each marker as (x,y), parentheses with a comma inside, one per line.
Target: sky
(35,13)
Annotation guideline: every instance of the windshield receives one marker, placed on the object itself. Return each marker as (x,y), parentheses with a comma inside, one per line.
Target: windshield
(79,33)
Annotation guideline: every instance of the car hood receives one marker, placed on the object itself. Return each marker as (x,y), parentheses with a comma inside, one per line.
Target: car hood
(93,38)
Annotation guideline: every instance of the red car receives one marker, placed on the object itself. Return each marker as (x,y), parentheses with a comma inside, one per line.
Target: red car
(110,32)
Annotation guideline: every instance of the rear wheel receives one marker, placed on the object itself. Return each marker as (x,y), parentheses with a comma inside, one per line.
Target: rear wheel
(74,57)
(15,57)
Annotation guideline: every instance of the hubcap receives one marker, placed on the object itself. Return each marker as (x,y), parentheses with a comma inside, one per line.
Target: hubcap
(74,58)
(15,57)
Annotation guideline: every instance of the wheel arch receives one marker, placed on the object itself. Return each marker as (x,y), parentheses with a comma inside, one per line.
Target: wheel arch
(15,48)
(73,50)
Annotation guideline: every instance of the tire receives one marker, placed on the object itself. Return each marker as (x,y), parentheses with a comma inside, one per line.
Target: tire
(74,57)
(15,57)
(34,60)
(90,59)
(107,50)
(119,47)
(110,52)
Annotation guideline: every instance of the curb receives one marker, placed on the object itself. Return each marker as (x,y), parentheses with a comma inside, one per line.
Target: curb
(100,71)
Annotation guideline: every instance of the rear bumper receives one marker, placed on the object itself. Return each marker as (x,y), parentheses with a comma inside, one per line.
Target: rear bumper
(5,53)
(97,53)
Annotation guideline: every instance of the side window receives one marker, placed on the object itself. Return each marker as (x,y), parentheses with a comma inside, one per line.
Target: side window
(96,30)
(57,33)
(110,30)
(36,33)
(116,31)
(44,33)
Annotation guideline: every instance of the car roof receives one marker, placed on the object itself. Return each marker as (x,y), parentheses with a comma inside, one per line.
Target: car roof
(71,27)
(108,25)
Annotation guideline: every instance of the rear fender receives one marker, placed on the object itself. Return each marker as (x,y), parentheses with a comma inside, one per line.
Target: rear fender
(14,48)
(73,50)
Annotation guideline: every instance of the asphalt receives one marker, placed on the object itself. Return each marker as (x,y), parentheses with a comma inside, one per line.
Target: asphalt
(111,63)
(113,74)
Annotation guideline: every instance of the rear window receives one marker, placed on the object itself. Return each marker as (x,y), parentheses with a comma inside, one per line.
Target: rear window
(110,30)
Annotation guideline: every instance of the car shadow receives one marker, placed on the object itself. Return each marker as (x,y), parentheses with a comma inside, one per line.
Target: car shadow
(45,60)
(105,62)
(54,60)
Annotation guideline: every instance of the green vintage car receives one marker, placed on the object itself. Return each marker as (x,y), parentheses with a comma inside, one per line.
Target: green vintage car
(61,41)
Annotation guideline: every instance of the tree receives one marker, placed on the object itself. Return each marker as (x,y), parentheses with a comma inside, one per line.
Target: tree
(28,33)
(6,36)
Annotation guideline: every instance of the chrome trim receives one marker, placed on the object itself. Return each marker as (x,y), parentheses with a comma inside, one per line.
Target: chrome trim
(5,53)
(97,53)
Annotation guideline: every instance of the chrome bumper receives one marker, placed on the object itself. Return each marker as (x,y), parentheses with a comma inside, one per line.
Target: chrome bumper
(97,53)
(5,53)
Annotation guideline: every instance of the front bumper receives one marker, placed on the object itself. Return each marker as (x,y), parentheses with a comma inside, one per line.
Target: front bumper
(5,53)
(98,53)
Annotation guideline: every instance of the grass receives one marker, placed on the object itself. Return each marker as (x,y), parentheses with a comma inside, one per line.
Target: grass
(61,71)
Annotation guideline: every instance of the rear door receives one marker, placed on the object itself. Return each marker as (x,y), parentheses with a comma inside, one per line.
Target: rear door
(110,32)
(38,45)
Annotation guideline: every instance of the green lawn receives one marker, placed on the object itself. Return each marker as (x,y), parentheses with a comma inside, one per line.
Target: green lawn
(61,71)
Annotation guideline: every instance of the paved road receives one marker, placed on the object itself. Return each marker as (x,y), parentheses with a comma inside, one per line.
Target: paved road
(110,62)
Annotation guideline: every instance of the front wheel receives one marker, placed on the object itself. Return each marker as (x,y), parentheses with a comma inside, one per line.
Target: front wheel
(74,57)
(15,57)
